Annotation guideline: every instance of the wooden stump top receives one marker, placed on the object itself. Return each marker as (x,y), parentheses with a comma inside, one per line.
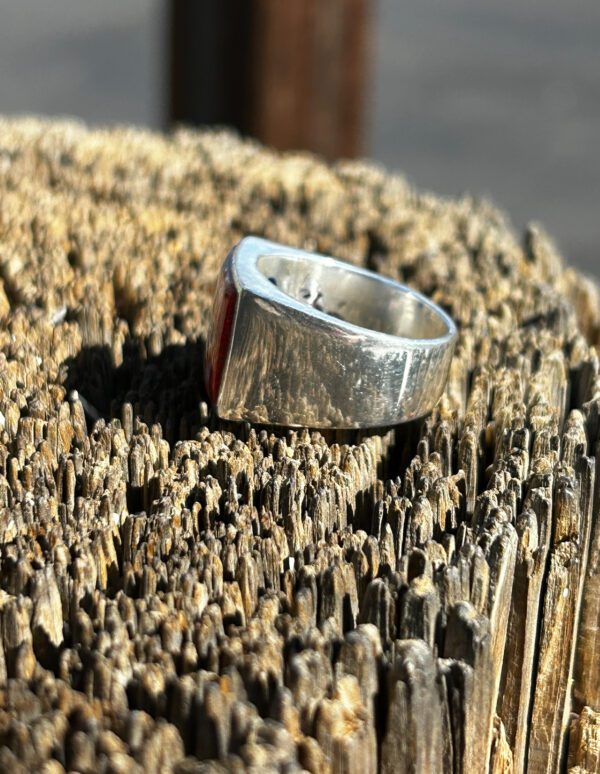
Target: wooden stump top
(180,595)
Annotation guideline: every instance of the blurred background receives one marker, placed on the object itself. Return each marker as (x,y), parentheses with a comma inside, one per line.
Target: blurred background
(498,99)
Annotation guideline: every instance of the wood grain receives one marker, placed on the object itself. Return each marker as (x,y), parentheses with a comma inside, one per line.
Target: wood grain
(178,594)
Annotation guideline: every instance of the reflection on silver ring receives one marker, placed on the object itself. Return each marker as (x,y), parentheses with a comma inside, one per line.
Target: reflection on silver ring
(304,340)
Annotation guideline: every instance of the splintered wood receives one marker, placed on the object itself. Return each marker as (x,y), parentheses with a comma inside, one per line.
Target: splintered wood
(179,595)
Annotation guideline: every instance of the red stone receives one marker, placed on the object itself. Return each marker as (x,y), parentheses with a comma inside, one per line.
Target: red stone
(219,339)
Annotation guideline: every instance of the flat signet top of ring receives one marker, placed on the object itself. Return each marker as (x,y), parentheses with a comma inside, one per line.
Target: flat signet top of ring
(359,298)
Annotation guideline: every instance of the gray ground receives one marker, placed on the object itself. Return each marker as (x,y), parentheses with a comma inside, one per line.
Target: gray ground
(502,99)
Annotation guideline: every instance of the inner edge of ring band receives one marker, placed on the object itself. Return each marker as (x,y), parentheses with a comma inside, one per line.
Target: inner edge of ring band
(250,278)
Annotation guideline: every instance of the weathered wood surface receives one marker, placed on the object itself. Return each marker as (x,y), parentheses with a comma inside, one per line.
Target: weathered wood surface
(179,595)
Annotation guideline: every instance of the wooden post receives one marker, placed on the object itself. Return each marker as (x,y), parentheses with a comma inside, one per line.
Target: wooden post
(183,594)
(293,74)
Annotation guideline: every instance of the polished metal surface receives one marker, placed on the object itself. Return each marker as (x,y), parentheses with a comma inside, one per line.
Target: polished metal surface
(317,342)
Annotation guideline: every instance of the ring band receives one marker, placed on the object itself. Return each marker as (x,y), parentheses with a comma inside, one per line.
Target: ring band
(304,340)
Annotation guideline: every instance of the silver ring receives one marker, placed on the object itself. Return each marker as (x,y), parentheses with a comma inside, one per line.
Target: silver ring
(304,340)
